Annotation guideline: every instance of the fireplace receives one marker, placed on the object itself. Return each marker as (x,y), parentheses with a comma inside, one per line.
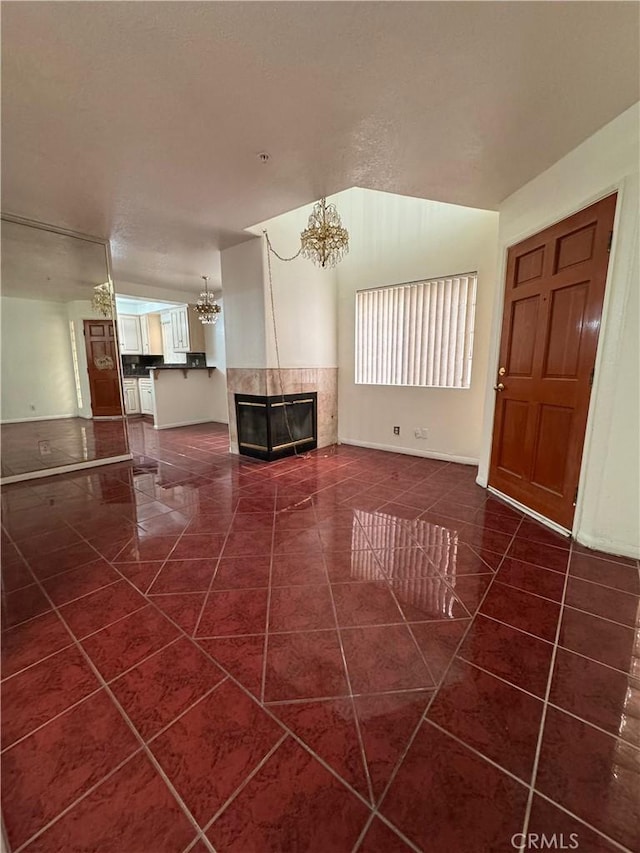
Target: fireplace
(272,427)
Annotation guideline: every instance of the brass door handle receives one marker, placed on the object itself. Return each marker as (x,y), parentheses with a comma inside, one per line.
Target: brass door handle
(498,387)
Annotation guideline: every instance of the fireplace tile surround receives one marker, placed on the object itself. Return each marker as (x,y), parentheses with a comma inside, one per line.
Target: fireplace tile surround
(266,382)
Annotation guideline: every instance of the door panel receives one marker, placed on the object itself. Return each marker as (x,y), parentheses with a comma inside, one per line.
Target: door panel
(529,265)
(567,312)
(553,303)
(514,425)
(102,367)
(524,322)
(553,436)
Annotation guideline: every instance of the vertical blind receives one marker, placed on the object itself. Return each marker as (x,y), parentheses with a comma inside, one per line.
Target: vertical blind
(420,333)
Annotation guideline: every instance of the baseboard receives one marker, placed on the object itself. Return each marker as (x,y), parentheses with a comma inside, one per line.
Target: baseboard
(609,546)
(186,423)
(410,451)
(39,418)
(552,525)
(64,469)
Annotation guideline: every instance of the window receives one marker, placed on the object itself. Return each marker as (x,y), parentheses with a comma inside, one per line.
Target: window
(419,333)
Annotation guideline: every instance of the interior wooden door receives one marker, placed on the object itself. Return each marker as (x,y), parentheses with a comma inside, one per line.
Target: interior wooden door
(553,303)
(102,366)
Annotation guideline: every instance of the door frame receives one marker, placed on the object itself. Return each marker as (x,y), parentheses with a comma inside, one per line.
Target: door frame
(612,314)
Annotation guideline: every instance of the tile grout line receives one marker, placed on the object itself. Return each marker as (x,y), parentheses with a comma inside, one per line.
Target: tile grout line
(186,710)
(215,572)
(10,746)
(267,709)
(296,738)
(265,644)
(536,760)
(435,693)
(498,677)
(247,692)
(237,791)
(79,799)
(105,686)
(477,752)
(354,710)
(424,719)
(582,821)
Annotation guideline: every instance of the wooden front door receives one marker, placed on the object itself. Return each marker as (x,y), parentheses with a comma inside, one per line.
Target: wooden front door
(553,302)
(102,366)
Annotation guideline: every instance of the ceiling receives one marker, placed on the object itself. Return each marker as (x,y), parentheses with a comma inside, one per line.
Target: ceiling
(132,305)
(142,122)
(41,264)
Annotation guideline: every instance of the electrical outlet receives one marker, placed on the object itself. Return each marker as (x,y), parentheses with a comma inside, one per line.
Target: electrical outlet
(396,430)
(424,431)
(417,432)
(44,447)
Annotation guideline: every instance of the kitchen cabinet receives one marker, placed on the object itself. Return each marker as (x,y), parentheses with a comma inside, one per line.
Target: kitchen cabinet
(186,333)
(145,387)
(131,396)
(180,329)
(151,334)
(129,334)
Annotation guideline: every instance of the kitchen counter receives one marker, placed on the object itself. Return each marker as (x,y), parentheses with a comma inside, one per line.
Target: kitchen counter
(180,367)
(185,368)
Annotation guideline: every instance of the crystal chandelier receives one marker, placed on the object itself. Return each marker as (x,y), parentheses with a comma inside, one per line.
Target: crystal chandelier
(324,241)
(102,302)
(206,307)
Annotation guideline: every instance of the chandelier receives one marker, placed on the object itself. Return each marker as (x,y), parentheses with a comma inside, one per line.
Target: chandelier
(102,302)
(324,241)
(206,307)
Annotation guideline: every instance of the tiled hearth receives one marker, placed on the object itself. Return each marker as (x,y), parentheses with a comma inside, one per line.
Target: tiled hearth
(350,651)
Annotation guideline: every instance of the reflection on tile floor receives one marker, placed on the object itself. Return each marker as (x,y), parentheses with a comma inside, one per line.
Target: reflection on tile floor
(39,445)
(353,650)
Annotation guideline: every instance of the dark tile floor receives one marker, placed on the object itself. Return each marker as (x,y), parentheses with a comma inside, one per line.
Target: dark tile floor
(354,650)
(39,445)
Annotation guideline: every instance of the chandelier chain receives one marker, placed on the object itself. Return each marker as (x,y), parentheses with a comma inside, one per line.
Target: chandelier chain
(275,338)
(280,258)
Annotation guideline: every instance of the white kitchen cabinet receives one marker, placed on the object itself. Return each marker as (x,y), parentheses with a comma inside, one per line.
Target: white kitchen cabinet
(131,396)
(187,333)
(144,335)
(129,334)
(180,329)
(151,335)
(168,351)
(145,387)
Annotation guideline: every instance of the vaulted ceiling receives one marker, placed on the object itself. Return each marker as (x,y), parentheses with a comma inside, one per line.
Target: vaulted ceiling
(142,122)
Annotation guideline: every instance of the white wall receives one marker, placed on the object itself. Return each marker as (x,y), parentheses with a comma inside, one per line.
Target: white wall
(244,309)
(37,369)
(304,299)
(396,239)
(153,293)
(215,350)
(608,508)
(180,400)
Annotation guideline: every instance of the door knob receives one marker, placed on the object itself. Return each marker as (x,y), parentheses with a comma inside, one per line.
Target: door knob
(498,387)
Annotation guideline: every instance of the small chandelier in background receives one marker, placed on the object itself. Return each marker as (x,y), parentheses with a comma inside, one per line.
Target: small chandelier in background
(324,241)
(102,302)
(206,307)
